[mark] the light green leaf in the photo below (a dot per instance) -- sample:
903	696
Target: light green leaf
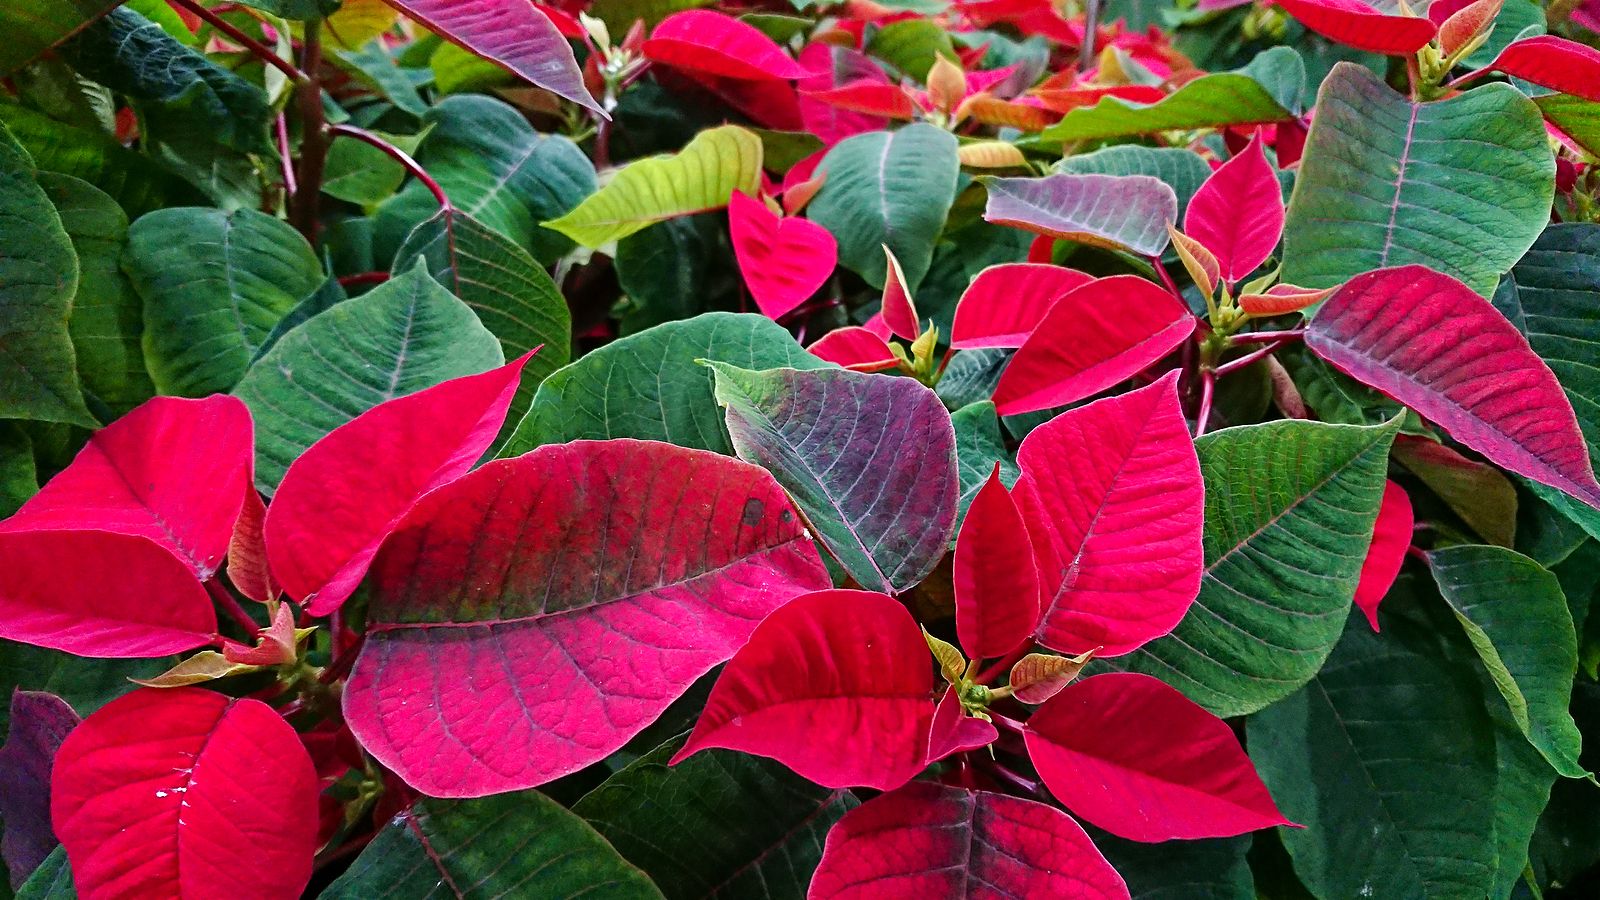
699	178
648	386
889	189
1289	512
1462	185
1517	619
214	284
1578	118
911	46
405	335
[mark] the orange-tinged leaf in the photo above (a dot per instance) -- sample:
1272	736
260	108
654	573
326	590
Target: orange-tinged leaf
1039	676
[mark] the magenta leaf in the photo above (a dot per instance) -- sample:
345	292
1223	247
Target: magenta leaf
898	310
1433	344
855	348
528	619
173	470
933	840
1122	212
783	260
186	793
514	34
1005	303
1355	24
39	723
870	460
832	67
995	576
1096	749
1391	536
1238	213
342	496
1095	336
953	731
837	686
703	40
1555	63
96	593
1114	501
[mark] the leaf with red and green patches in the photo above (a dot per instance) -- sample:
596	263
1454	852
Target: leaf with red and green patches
1005	303
933	840
704	40
870	460
1555	63
1238	213
1122	212
837	685
1355	24
528	619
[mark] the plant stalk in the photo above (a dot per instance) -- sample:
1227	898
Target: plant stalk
306	203
257	49
399	156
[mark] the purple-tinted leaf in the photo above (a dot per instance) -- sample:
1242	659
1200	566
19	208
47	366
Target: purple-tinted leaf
39	723
1122	212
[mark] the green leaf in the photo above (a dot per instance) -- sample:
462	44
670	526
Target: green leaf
513	295
214	284
1183	170
33	26
911	46
1521	794
648	386
137	183
229	178
106	319
19	477
699	178
494	167
1578	118
87	684
51	881
457	71
1517	619
889	189
1213	869
373	64
1267	90
1462	185
359	173
38	278
979	446
521	844
674	270
54	88
719	824
404	335
620	14
1388	758
132	53
323	298
1289	513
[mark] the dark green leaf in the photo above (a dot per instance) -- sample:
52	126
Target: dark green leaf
33	26
673	270
87	684
19	478
1181	870
978	447
51	881
137	183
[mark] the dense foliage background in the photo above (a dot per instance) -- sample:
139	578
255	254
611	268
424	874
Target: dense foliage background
655	447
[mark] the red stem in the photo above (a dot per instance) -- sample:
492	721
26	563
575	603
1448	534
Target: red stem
1166	278
285	158
230	605
1267	337
256	48
1027	785
1208	388
399	156
1006	722
1004	665
1417	553
1234	365
1475	73
363	278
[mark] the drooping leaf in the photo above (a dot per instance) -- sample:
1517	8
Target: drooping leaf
1126	212
1433	344
702	176
403	336
1094	747
648	385
1353	23
341	498
810	673
1092	338
1113	498
174	471
38	278
516	36
1005	303
1391	538
1354	757
888	189
1460	185
604	577
520	844
1290	507
704	40
214	284
784	260
869	459
719	824
1553	62
1517	619
171	793
933	840
39	723
995	575
1238	213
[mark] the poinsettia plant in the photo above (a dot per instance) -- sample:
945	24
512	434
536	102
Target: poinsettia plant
494	448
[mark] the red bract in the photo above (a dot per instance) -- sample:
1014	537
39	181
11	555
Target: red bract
855	348
1430	342
832	67
1142	761
836	685
1391	537
1355	24
703	40
175	471
1280	299
1238	213
930	840
1114	502
868	97
996	578
1553	62
783	260
342	496
1005	303
1091	339
529	618
953	731
898	310
185	794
